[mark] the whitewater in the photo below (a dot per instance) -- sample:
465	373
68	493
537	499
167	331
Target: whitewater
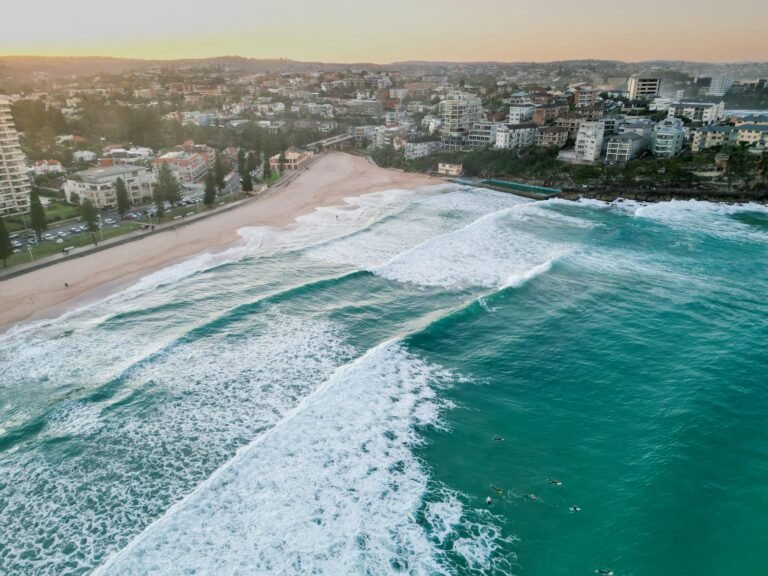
342	395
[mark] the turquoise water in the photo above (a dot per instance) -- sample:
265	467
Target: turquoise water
341	397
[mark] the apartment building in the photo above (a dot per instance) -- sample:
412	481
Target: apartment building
668	138
520	114
98	185
751	134
624	147
14	182
548	113
365	107
458	115
710	137
413	150
639	88
699	112
552	136
585	96
445	169
719	86
570	122
516	135
188	167
482	134
589	141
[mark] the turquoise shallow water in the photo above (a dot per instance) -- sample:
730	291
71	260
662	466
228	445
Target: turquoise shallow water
341	398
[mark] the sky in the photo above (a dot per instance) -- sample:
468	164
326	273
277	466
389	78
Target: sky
385	31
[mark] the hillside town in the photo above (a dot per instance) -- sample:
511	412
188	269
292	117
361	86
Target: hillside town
562	125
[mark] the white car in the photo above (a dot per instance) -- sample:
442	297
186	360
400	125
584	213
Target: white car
109	221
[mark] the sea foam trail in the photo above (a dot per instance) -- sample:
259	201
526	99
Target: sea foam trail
489	252
117	467
332	489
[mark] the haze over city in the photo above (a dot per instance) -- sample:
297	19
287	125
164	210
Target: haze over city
347	31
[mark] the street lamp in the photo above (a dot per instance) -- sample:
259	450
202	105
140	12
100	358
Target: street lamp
197	204
101	233
29	247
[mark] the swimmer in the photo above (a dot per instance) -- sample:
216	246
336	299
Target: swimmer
554	482
497	490
574	509
498	438
533	497
488	501
604	572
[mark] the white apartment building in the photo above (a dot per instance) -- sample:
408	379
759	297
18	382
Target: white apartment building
14	182
516	135
639	88
624	147
700	112
413	150
719	86
521	114
483	134
668	138
589	141
459	114
98	185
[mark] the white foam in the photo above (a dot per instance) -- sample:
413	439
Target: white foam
333	489
488	253
171	422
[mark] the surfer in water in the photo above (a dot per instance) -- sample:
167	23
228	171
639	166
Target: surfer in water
554	482
488	501
574	508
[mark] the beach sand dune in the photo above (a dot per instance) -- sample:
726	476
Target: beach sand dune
42	293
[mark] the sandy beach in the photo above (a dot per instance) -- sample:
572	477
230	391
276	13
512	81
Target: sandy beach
42	293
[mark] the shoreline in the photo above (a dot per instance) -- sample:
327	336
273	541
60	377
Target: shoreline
41	294
665	195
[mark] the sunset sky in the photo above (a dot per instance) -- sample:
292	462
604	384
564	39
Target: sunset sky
387	31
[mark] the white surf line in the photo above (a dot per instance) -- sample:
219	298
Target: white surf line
239	455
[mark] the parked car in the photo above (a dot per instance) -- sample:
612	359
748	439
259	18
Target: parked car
109	221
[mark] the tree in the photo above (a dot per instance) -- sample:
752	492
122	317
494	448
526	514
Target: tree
88	214
218	172
250	164
168	188
6	248
242	164
209	198
123	202
281	162
37	214
267	171
159	206
247	182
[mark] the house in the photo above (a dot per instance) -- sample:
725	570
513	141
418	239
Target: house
294	158
445	169
42	167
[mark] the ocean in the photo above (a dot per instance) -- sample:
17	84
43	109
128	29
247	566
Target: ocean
343	396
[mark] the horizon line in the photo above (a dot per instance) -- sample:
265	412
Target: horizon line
392	63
